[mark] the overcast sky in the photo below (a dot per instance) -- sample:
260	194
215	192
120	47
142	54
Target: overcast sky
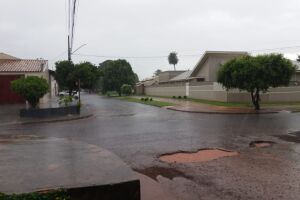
137	28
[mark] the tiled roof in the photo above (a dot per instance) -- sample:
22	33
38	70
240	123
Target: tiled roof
20	65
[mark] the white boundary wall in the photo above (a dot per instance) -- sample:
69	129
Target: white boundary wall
215	91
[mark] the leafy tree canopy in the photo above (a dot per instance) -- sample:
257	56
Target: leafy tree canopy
116	73
31	88
64	75
67	75
173	59
256	74
87	73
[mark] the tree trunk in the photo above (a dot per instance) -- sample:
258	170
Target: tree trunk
255	99
174	68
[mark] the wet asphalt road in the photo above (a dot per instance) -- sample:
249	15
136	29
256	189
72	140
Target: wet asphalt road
138	134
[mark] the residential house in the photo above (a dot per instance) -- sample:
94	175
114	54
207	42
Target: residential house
12	68
201	82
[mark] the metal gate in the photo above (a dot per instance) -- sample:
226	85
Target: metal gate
7	96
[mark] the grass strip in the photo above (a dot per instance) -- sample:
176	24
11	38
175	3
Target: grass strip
150	103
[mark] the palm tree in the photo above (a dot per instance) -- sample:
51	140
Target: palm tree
173	59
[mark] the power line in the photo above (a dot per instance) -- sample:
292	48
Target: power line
184	55
279	48
133	57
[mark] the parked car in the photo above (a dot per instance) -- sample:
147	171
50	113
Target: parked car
63	93
76	95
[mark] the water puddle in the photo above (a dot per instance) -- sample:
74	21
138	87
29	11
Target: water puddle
261	144
203	155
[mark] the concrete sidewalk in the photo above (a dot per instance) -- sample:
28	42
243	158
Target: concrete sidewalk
32	163
188	106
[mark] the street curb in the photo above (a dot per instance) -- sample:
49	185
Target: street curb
49	121
224	113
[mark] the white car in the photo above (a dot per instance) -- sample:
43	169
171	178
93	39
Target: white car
63	93
76	95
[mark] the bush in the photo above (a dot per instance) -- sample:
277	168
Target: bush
185	97
142	99
31	88
179	97
66	100
174	97
151	99
146	99
126	89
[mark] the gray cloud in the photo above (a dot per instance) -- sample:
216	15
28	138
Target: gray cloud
37	28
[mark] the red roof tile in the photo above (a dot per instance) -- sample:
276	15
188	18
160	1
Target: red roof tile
21	65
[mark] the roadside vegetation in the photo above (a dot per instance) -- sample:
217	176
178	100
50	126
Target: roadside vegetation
146	101
31	88
55	195
110	76
256	74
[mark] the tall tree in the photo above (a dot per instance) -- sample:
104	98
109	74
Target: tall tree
173	59
298	58
87	73
64	75
256	74
115	74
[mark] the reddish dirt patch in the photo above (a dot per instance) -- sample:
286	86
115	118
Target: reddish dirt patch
203	155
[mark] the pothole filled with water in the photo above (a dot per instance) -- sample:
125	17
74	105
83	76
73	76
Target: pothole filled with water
261	144
203	155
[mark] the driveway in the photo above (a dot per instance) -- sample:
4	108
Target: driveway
139	134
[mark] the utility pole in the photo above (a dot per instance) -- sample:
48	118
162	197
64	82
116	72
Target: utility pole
69	49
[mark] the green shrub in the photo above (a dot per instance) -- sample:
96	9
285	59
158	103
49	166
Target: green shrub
111	94
142	99
151	99
179	97
66	100
174	97
146	99
126	89
185	97
31	88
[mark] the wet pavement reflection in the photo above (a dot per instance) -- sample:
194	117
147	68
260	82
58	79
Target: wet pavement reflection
139	134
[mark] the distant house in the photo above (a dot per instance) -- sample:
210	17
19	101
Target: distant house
12	68
201	82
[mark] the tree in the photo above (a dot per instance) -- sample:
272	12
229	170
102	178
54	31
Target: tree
31	88
115	73
64	75
157	72
173	59
136	78
87	73
256	74
126	89
298	58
